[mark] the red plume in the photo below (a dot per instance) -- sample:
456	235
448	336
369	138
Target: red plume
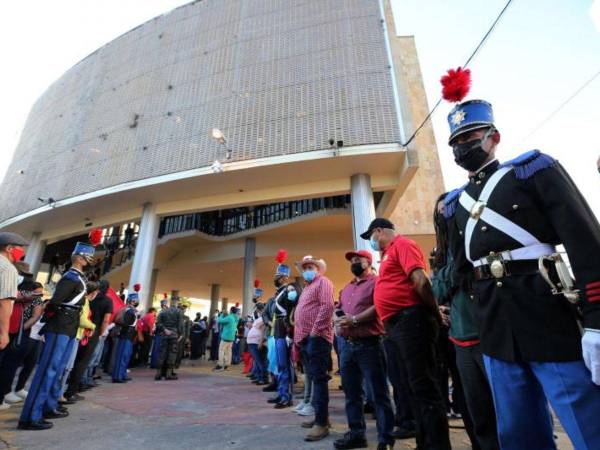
282	255
237	305
137	287
95	236
165	295
257	283
456	84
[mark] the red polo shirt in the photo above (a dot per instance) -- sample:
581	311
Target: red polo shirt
394	291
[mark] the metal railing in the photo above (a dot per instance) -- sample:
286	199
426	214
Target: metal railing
237	220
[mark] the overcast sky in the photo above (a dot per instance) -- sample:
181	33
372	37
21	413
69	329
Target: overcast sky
535	60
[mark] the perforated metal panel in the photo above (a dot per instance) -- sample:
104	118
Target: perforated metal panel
277	76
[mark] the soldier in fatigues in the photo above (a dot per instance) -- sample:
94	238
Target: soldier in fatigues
504	226
187	327
169	325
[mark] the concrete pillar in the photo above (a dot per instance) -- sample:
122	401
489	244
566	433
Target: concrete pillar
249	275
363	210
152	290
35	252
214	298
224	303
143	258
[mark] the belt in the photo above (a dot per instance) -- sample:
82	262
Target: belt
507	268
363	340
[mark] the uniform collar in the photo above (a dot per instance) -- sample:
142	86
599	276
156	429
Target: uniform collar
483	173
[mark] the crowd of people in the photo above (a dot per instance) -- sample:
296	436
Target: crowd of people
499	314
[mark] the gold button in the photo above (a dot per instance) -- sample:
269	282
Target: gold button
515	207
460	232
478	182
481	175
499	284
484	228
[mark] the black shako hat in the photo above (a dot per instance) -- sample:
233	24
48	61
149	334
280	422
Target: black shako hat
380	222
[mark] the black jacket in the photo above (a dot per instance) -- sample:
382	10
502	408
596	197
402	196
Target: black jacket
519	317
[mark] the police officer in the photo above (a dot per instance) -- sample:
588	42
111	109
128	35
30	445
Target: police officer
128	323
61	319
504	226
284	303
169	325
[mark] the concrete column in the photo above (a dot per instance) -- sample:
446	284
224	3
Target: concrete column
214	298
363	210
249	275
224	303
145	249
152	290
35	252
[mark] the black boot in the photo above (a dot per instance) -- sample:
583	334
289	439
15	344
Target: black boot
350	441
170	374
158	376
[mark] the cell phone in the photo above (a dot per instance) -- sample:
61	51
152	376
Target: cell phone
339	313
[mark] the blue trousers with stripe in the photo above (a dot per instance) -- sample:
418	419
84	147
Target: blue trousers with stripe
284	373
45	387
155	352
521	394
122	357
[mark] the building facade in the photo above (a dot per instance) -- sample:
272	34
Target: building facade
313	99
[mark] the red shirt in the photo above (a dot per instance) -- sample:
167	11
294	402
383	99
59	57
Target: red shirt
314	313
147	322
394	290
355	298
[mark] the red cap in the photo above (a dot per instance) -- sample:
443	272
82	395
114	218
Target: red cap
362	253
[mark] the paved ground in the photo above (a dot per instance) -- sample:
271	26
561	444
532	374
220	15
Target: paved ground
201	410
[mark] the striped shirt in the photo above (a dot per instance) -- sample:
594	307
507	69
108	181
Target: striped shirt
314	313
8	279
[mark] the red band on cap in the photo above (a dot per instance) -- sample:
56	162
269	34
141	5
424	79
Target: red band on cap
594	285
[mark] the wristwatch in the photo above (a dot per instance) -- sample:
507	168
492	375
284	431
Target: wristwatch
354	321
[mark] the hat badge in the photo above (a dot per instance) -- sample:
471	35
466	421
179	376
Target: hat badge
458	117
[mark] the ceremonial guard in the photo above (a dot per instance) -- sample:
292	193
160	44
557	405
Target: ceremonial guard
61	320
127	320
505	225
282	328
169	326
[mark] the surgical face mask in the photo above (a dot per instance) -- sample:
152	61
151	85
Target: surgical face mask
309	275
470	155
374	244
292	296
20	279
357	269
17	253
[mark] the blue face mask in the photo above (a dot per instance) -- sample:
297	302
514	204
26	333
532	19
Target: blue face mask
309	275
374	244
292	296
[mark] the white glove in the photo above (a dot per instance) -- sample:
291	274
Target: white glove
289	341
590	344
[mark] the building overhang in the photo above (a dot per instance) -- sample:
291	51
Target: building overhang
243	183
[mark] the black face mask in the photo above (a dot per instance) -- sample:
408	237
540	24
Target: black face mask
357	269
470	155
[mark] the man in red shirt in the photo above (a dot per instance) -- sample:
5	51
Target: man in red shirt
405	303
313	333
146	329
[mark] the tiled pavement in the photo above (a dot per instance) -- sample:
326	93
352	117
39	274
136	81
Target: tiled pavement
201	410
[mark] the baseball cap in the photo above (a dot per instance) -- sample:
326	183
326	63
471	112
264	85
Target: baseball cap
380	222
362	253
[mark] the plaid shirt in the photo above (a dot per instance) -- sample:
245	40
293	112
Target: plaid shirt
314	313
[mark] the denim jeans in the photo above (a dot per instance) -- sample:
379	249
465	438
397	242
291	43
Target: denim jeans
364	361
414	332
284	376
317	352
259	362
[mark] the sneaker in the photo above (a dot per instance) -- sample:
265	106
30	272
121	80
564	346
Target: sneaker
299	406
308	410
22	393
12	397
349	441
4	406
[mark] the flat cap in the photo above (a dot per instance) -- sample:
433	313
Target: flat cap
8	238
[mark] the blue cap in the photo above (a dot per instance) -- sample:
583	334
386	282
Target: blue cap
133	297
85	250
469	116
258	292
283	270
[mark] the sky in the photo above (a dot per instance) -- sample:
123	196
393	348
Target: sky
538	56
